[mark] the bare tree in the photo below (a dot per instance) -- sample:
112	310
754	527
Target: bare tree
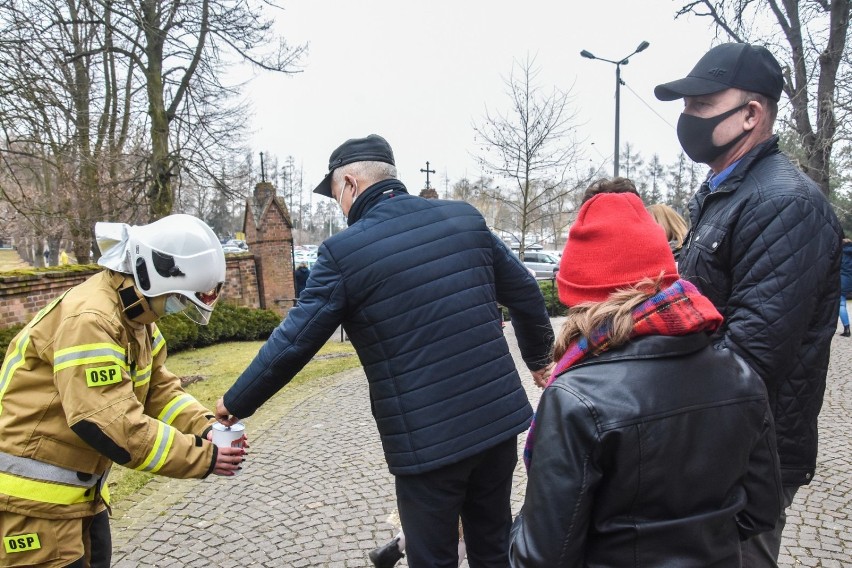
810	38
532	146
181	47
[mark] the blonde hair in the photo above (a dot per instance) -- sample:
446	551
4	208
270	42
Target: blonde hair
616	312
671	221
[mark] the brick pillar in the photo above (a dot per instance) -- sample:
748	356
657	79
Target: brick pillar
269	235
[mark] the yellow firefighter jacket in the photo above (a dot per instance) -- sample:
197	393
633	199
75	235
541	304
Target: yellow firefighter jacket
80	370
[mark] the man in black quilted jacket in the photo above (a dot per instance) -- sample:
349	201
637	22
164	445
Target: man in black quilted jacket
416	282
764	246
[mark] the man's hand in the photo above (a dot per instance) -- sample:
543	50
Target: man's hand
223	415
542	375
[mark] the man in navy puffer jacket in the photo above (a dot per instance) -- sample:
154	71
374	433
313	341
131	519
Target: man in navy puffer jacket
415	283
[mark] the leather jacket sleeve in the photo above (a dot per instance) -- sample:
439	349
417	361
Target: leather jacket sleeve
321	309
762	484
551	529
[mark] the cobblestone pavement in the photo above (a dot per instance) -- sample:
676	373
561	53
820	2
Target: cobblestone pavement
316	492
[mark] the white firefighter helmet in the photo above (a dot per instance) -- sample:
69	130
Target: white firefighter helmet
181	257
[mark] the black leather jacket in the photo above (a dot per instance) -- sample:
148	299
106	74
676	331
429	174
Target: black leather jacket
765	248
660	452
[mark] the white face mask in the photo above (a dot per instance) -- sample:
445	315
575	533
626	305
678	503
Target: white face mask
174	305
343	189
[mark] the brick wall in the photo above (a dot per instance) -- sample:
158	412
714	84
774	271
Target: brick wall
269	235
260	278
22	296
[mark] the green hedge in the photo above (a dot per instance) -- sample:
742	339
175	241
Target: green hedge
228	323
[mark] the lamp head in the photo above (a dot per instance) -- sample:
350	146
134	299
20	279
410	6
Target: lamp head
587	55
642	46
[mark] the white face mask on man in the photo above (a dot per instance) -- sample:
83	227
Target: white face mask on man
342	190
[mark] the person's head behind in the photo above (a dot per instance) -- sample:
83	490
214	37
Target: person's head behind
607	185
730	102
616	257
354	166
671	222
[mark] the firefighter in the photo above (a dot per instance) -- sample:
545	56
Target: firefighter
84	385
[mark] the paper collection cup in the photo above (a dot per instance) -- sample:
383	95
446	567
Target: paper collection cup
228	436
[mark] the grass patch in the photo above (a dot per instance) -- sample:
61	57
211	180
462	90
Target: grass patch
220	365
9	260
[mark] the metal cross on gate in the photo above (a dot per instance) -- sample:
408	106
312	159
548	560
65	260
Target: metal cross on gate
427	171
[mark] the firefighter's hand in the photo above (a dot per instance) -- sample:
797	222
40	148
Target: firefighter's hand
229	461
223	415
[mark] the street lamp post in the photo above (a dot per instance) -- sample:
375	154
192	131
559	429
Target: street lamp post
623	61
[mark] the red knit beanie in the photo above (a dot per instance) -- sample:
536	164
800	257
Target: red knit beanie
614	243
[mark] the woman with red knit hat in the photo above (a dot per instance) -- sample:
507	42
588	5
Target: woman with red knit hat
649	447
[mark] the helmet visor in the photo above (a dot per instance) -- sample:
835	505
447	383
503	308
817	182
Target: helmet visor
211	297
197	313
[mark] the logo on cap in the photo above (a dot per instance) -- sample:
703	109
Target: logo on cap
717	72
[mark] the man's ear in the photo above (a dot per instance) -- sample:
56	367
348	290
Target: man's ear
755	112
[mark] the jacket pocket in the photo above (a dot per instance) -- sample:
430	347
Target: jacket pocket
709	238
75	458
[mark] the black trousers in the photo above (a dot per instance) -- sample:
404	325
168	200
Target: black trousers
476	489
97	541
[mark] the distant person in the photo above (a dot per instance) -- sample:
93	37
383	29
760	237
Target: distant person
84	385
415	283
672	223
649	446
46	255
845	285
764	246
63	257
301	277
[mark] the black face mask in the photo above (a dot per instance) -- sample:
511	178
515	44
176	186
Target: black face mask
696	136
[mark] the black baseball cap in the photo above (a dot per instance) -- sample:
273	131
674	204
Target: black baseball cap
730	65
373	148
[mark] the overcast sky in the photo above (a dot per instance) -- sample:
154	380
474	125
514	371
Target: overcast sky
420	73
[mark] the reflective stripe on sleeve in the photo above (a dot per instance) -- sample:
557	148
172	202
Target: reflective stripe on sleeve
158	342
142	376
162	444
175	407
44	491
12	363
87	354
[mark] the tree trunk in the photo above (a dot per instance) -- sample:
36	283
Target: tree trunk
159	192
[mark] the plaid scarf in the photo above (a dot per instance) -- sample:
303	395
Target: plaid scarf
680	309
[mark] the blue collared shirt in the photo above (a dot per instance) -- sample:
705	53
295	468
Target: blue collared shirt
716	180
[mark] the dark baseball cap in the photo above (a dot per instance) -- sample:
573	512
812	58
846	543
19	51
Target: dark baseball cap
373	148
730	65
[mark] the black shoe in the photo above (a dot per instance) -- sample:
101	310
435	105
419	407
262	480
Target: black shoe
846	332
386	556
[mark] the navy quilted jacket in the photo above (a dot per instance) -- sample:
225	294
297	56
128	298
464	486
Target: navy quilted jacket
765	248
415	282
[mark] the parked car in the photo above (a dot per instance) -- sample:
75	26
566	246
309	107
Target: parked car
544	265
229	248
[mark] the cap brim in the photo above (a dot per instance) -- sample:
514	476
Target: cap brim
687	87
324	187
